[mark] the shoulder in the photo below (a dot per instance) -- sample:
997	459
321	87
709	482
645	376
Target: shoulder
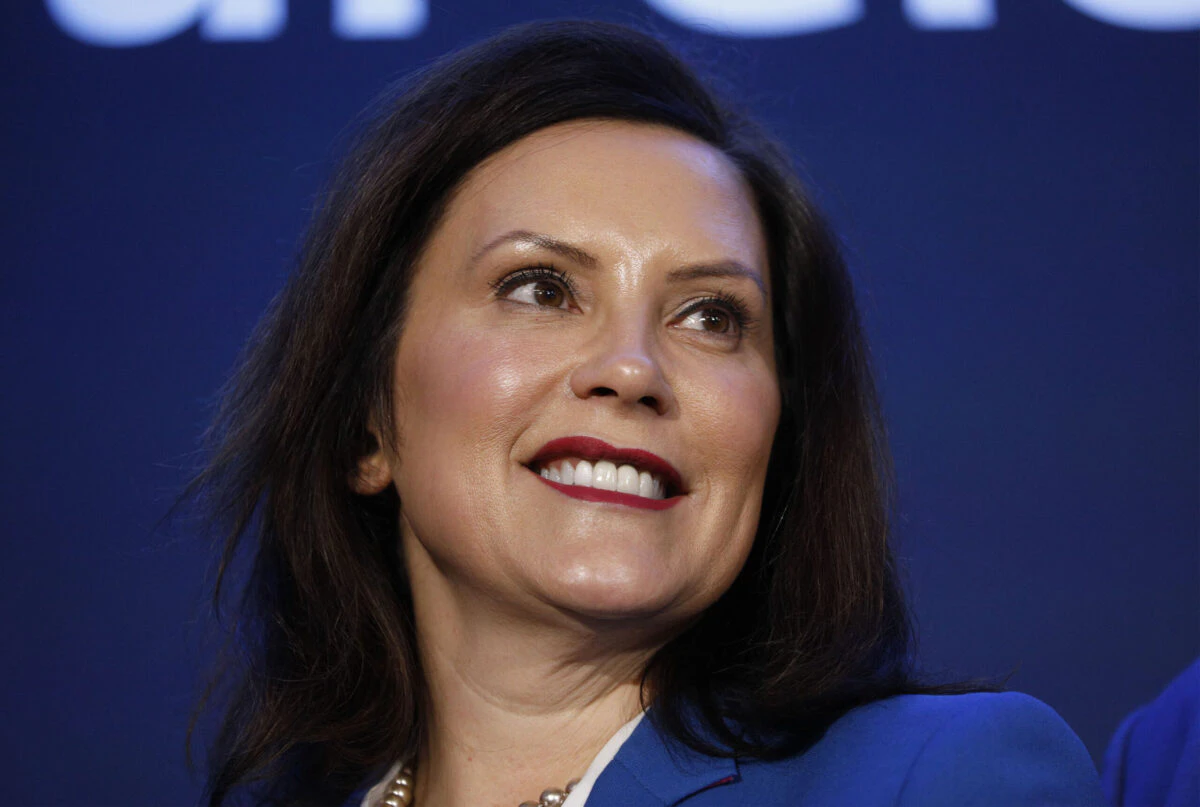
981	749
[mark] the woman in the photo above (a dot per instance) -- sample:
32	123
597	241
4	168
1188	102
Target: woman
560	459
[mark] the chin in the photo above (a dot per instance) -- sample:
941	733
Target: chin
617	594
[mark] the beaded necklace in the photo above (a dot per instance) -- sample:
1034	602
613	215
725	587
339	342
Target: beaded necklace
401	789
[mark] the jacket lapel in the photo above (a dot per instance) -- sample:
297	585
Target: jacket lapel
651	769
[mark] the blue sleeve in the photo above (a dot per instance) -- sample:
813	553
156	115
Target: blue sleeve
1113	778
1154	758
1002	750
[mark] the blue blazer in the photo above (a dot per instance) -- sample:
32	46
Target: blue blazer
924	750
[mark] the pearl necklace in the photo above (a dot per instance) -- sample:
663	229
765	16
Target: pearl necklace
400	792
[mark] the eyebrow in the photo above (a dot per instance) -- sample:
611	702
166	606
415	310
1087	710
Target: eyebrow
725	268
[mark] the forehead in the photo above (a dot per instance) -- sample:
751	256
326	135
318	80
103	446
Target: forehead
624	185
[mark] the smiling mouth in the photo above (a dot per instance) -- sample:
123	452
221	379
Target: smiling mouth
590	469
592	494
604	475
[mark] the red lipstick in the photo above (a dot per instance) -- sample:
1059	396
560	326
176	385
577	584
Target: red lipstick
594	450
614	496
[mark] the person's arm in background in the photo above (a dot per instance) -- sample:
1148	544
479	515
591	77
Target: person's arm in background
1153	759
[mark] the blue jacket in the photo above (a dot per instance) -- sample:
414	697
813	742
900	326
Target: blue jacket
923	750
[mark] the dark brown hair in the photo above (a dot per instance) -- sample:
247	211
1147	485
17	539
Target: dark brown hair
321	686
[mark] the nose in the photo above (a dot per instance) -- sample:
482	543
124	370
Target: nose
623	364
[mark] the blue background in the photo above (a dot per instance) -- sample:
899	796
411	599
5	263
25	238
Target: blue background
1020	207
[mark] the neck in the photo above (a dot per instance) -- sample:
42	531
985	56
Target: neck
516	705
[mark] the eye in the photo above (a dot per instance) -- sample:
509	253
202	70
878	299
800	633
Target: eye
713	320
541	286
720	316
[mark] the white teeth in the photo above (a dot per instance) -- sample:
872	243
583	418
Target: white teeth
604	475
627	479
645	485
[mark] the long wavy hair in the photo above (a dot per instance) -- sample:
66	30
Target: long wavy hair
319	685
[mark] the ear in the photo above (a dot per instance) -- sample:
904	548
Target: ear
374	472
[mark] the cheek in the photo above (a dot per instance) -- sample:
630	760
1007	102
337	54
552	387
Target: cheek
740	420
461	396
756	405
471	383
740	412
735	414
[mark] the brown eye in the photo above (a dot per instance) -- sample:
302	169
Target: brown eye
711	320
541	287
716	320
549	294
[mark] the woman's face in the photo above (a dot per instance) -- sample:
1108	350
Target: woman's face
603	280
